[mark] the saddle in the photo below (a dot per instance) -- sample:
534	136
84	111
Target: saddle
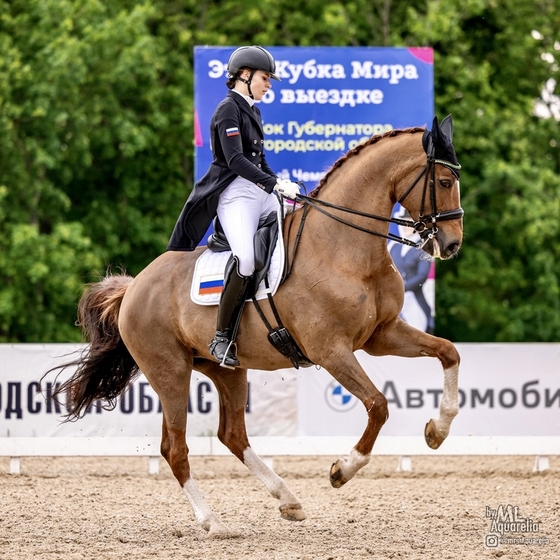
264	244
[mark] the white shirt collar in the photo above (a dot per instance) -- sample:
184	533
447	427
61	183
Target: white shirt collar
249	100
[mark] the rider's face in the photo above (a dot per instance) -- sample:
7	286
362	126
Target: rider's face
260	83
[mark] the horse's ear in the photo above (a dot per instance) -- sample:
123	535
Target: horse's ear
446	127
438	144
428	138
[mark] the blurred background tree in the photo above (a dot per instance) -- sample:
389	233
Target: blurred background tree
96	114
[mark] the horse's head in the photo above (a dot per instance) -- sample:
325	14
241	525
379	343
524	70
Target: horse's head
433	200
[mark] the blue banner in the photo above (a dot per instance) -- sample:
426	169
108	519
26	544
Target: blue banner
329	100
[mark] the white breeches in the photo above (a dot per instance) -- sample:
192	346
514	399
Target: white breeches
241	206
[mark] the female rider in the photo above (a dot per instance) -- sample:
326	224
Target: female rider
239	187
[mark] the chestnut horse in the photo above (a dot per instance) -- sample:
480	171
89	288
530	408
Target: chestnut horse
343	294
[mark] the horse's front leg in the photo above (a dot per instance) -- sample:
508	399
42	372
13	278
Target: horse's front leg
345	368
401	339
232	389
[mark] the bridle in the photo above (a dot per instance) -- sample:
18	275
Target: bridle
426	225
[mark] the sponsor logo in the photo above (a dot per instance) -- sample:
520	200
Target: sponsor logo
338	398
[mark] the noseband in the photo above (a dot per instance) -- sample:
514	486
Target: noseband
426	225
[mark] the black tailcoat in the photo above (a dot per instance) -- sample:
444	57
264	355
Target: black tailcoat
237	139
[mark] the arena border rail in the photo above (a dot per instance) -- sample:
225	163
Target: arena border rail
403	447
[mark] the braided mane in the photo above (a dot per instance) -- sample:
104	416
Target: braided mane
358	149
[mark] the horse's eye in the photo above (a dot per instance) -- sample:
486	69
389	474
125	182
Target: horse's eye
445	183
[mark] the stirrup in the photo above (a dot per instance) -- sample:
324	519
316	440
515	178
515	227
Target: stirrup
230	353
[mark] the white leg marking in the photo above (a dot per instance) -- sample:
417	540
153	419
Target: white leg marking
351	464
202	511
274	484
449	406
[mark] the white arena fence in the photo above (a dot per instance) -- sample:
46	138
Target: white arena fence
509	405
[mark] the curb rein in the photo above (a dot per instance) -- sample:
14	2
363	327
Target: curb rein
425	226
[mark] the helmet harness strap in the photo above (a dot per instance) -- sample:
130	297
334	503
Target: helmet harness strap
248	82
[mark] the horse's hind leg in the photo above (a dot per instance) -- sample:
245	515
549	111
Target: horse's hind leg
175	452
404	340
171	383
232	389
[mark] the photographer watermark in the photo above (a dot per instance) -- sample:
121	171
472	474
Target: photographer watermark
508	526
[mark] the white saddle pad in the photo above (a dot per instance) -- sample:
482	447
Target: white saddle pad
208	278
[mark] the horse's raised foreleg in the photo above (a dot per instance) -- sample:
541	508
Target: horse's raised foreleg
404	340
232	388
345	368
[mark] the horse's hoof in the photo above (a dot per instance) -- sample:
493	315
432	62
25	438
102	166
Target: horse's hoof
433	439
292	512
216	529
221	531
336	476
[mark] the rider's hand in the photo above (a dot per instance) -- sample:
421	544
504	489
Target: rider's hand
287	188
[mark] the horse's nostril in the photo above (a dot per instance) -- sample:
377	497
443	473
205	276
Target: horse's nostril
452	249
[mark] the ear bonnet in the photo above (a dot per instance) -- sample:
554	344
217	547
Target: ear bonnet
438	144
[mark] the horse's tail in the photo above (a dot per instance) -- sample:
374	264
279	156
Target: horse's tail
105	367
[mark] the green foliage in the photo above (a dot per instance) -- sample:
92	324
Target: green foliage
96	146
96	105
490	68
43	275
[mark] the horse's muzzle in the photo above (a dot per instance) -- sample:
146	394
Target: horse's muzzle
451	250
442	246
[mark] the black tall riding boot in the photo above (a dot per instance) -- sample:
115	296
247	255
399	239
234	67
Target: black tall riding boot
232	302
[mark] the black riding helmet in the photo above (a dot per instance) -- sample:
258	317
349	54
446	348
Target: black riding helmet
254	58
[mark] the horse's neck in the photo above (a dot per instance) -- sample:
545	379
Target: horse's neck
363	183
366	182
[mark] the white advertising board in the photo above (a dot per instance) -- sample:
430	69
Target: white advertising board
25	412
505	390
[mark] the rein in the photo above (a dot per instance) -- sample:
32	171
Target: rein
425	226
318	203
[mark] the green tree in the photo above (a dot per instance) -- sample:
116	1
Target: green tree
492	60
96	105
96	150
